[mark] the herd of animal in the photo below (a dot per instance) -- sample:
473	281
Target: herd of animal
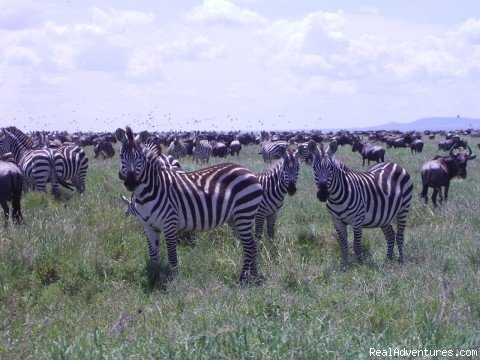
166	199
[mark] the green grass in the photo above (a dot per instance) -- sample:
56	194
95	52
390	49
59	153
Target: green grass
75	281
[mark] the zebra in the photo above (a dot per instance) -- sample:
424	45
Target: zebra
304	154
171	201
202	150
177	149
271	150
363	199
276	183
71	163
153	143
36	165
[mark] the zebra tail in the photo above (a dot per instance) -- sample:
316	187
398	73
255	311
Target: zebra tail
54	176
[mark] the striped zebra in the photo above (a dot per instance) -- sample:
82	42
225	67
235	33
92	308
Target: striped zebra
171	201
36	165
153	143
272	150
177	149
304	154
71	164
276	183
202	150
363	199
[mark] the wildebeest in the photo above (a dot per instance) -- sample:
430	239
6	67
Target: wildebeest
105	148
11	190
438	172
235	147
455	143
369	152
416	146
219	149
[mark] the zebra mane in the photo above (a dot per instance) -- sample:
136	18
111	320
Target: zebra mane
21	136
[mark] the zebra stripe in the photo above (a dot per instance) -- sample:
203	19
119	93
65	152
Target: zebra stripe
36	165
202	151
71	163
363	199
272	150
172	201
177	149
168	161
276	183
304	154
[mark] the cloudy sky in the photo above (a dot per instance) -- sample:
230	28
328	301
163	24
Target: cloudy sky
236	64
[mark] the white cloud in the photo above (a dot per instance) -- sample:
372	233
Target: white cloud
224	12
18	14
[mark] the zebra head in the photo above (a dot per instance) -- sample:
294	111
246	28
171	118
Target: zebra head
291	167
133	160
323	164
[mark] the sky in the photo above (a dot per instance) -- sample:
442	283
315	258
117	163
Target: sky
236	64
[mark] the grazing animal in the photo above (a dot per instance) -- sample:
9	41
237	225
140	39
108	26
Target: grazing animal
177	149
202	150
276	183
438	172
11	190
219	149
416	146
171	201
363	199
105	148
304	154
456	143
272	150
36	165
369	152
235	147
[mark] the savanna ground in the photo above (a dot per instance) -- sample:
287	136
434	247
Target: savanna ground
76	281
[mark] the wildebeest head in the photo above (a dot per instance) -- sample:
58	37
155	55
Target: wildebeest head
461	161
133	159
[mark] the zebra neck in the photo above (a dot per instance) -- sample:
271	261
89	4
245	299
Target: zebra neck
154	183
338	186
19	151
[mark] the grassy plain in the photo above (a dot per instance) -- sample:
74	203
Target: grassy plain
75	281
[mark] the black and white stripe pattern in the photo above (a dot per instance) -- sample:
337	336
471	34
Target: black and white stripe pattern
172	201
71	164
153	144
37	166
202	150
363	199
304	154
272	150
177	149
276	183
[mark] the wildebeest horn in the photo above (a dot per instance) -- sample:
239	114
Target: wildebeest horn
451	151
469	151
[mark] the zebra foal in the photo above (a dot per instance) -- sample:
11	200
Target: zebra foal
363	199
170	201
276	183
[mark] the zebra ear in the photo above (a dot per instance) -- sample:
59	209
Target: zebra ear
143	136
121	135
313	148
332	148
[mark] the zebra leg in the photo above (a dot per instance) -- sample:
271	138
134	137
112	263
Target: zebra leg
401	224
357	243
390	237
341	229
243	226
171	237
153	242
259	222
271	220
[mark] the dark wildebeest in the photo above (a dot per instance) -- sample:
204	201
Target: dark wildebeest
235	147
11	190
105	148
369	152
417	146
455	143
219	149
431	136
438	172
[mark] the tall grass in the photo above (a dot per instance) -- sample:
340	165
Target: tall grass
75	281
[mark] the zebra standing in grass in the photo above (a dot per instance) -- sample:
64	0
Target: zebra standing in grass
276	183
202	150
153	143
177	149
272	150
363	199
71	163
37	165
171	201
304	154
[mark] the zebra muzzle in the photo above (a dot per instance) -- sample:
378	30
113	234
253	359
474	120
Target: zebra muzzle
131	182
291	189
322	193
